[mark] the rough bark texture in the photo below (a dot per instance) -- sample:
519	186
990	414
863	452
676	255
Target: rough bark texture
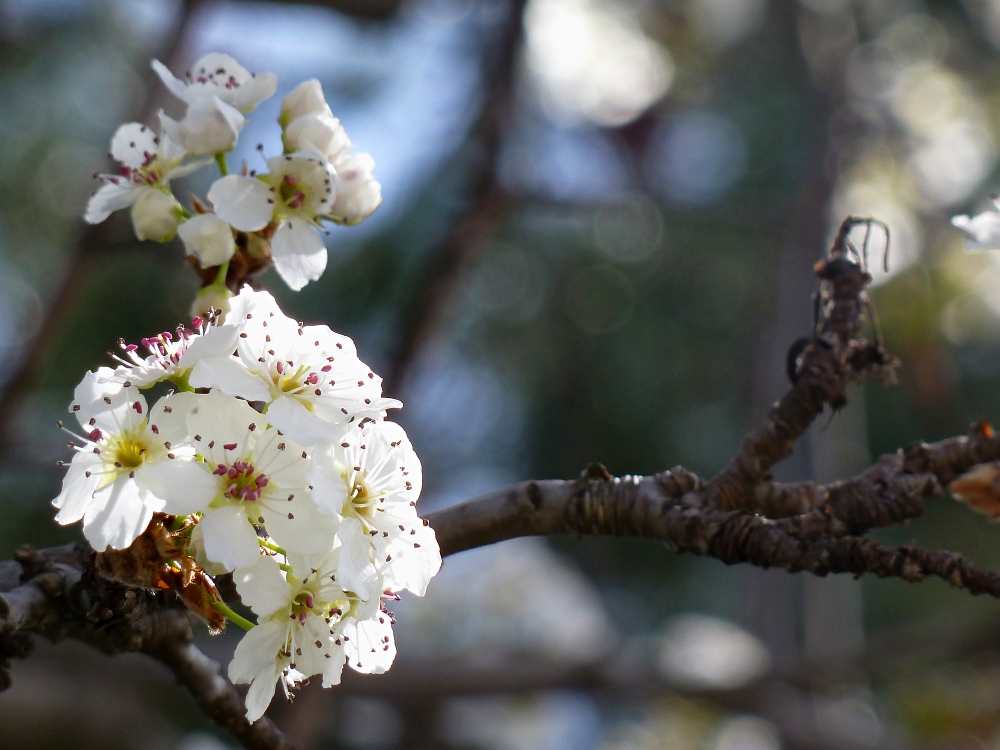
56	593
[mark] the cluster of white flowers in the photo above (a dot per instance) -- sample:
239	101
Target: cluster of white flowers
277	215
276	457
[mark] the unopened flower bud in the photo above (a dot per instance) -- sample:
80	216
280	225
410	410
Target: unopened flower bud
155	215
210	126
208	238
318	130
212	296
306	99
358	193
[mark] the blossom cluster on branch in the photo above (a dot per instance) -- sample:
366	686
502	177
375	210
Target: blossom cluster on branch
274	217
272	460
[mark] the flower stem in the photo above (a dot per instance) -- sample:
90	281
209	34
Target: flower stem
241	621
220	279
220	159
271	546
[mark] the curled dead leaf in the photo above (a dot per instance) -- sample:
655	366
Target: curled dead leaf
980	488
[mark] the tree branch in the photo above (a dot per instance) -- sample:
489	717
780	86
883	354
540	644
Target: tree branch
57	593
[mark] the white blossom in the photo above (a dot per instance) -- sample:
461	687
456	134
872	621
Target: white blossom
305	99
358	192
256	477
208	238
147	165
171	356
371	478
308	123
210	126
219	75
125	468
309	377
296	195
983	230
308	625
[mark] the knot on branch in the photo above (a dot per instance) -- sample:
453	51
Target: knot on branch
602	504
677	482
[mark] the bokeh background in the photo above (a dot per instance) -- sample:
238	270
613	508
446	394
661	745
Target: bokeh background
596	244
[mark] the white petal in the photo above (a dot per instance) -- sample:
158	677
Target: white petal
256	651
329	487
110	197
78	488
120	519
208	238
301	425
298	252
183	487
304	99
225	420
169	416
319	130
358	193
983	230
248	95
262	587
176	87
371	648
210	126
245	202
230	376
191	167
357	571
133	144
412	568
296	524
260	693
229	537
218	341
171	152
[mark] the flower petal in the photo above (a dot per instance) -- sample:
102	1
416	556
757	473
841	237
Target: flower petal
327	479
304	99
133	144
120	519
176	86
371	647
301	425
78	487
182	487
256	651
248	95
229	376
297	525
229	537
245	202
298	252
210	126
357	572
262	587
110	197
983	230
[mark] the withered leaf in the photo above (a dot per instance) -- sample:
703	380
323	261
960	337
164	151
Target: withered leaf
980	488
